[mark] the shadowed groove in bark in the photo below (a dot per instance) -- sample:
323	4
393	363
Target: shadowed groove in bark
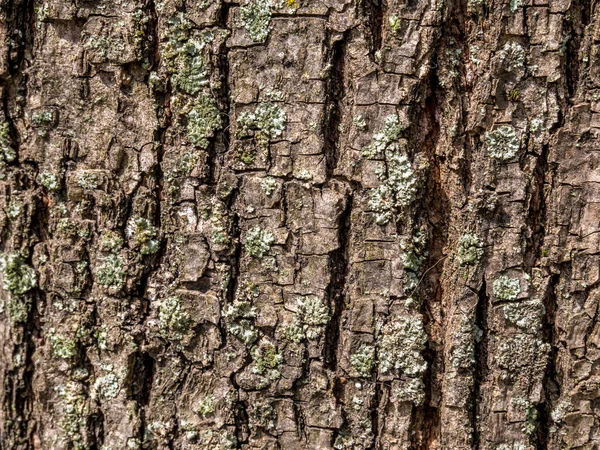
481	357
374	12
139	386
574	35
18	390
335	86
338	266
537	211
426	418
550	383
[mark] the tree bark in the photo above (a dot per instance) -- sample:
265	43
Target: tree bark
292	224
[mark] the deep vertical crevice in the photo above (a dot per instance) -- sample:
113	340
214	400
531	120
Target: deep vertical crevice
550	383
139	385
335	92
574	34
537	210
338	268
481	356
434	214
16	433
374	11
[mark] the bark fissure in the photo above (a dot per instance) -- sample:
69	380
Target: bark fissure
481	357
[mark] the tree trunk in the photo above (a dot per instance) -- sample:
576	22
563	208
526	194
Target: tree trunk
300	224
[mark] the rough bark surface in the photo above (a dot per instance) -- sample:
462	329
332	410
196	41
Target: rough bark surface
300	224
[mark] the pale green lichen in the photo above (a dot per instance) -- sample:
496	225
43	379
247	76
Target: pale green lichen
522	351
526	315
266	360
413	256
268	185
106	386
262	414
400	346
42	118
62	346
398	180
13	209
411	390
395	23
7	153
398	189
258	242
190	73
143	234
309	320
173	320
385	139
18	308
206	406
470	249
505	288
363	360
360	122
268	119
203	120
502	143
255	17
512	56
512	446
462	354
49	181
88	180
75	415
303	174
110	273
239	318
111	241
531	419
17	276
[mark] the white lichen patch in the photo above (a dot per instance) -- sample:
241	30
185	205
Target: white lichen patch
190	74
522	351
385	139
7	153
173	320
400	346
363	360
206	405
110	274
505	288
268	185
398	186
411	390
512	56
106	386
255	17
503	142
17	277
49	181
526	315
142	233
75	414
309	321
63	346
204	119
268	119
266	360
258	242
398	189
239	318
470	249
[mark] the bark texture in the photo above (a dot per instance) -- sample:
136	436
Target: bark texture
300	224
